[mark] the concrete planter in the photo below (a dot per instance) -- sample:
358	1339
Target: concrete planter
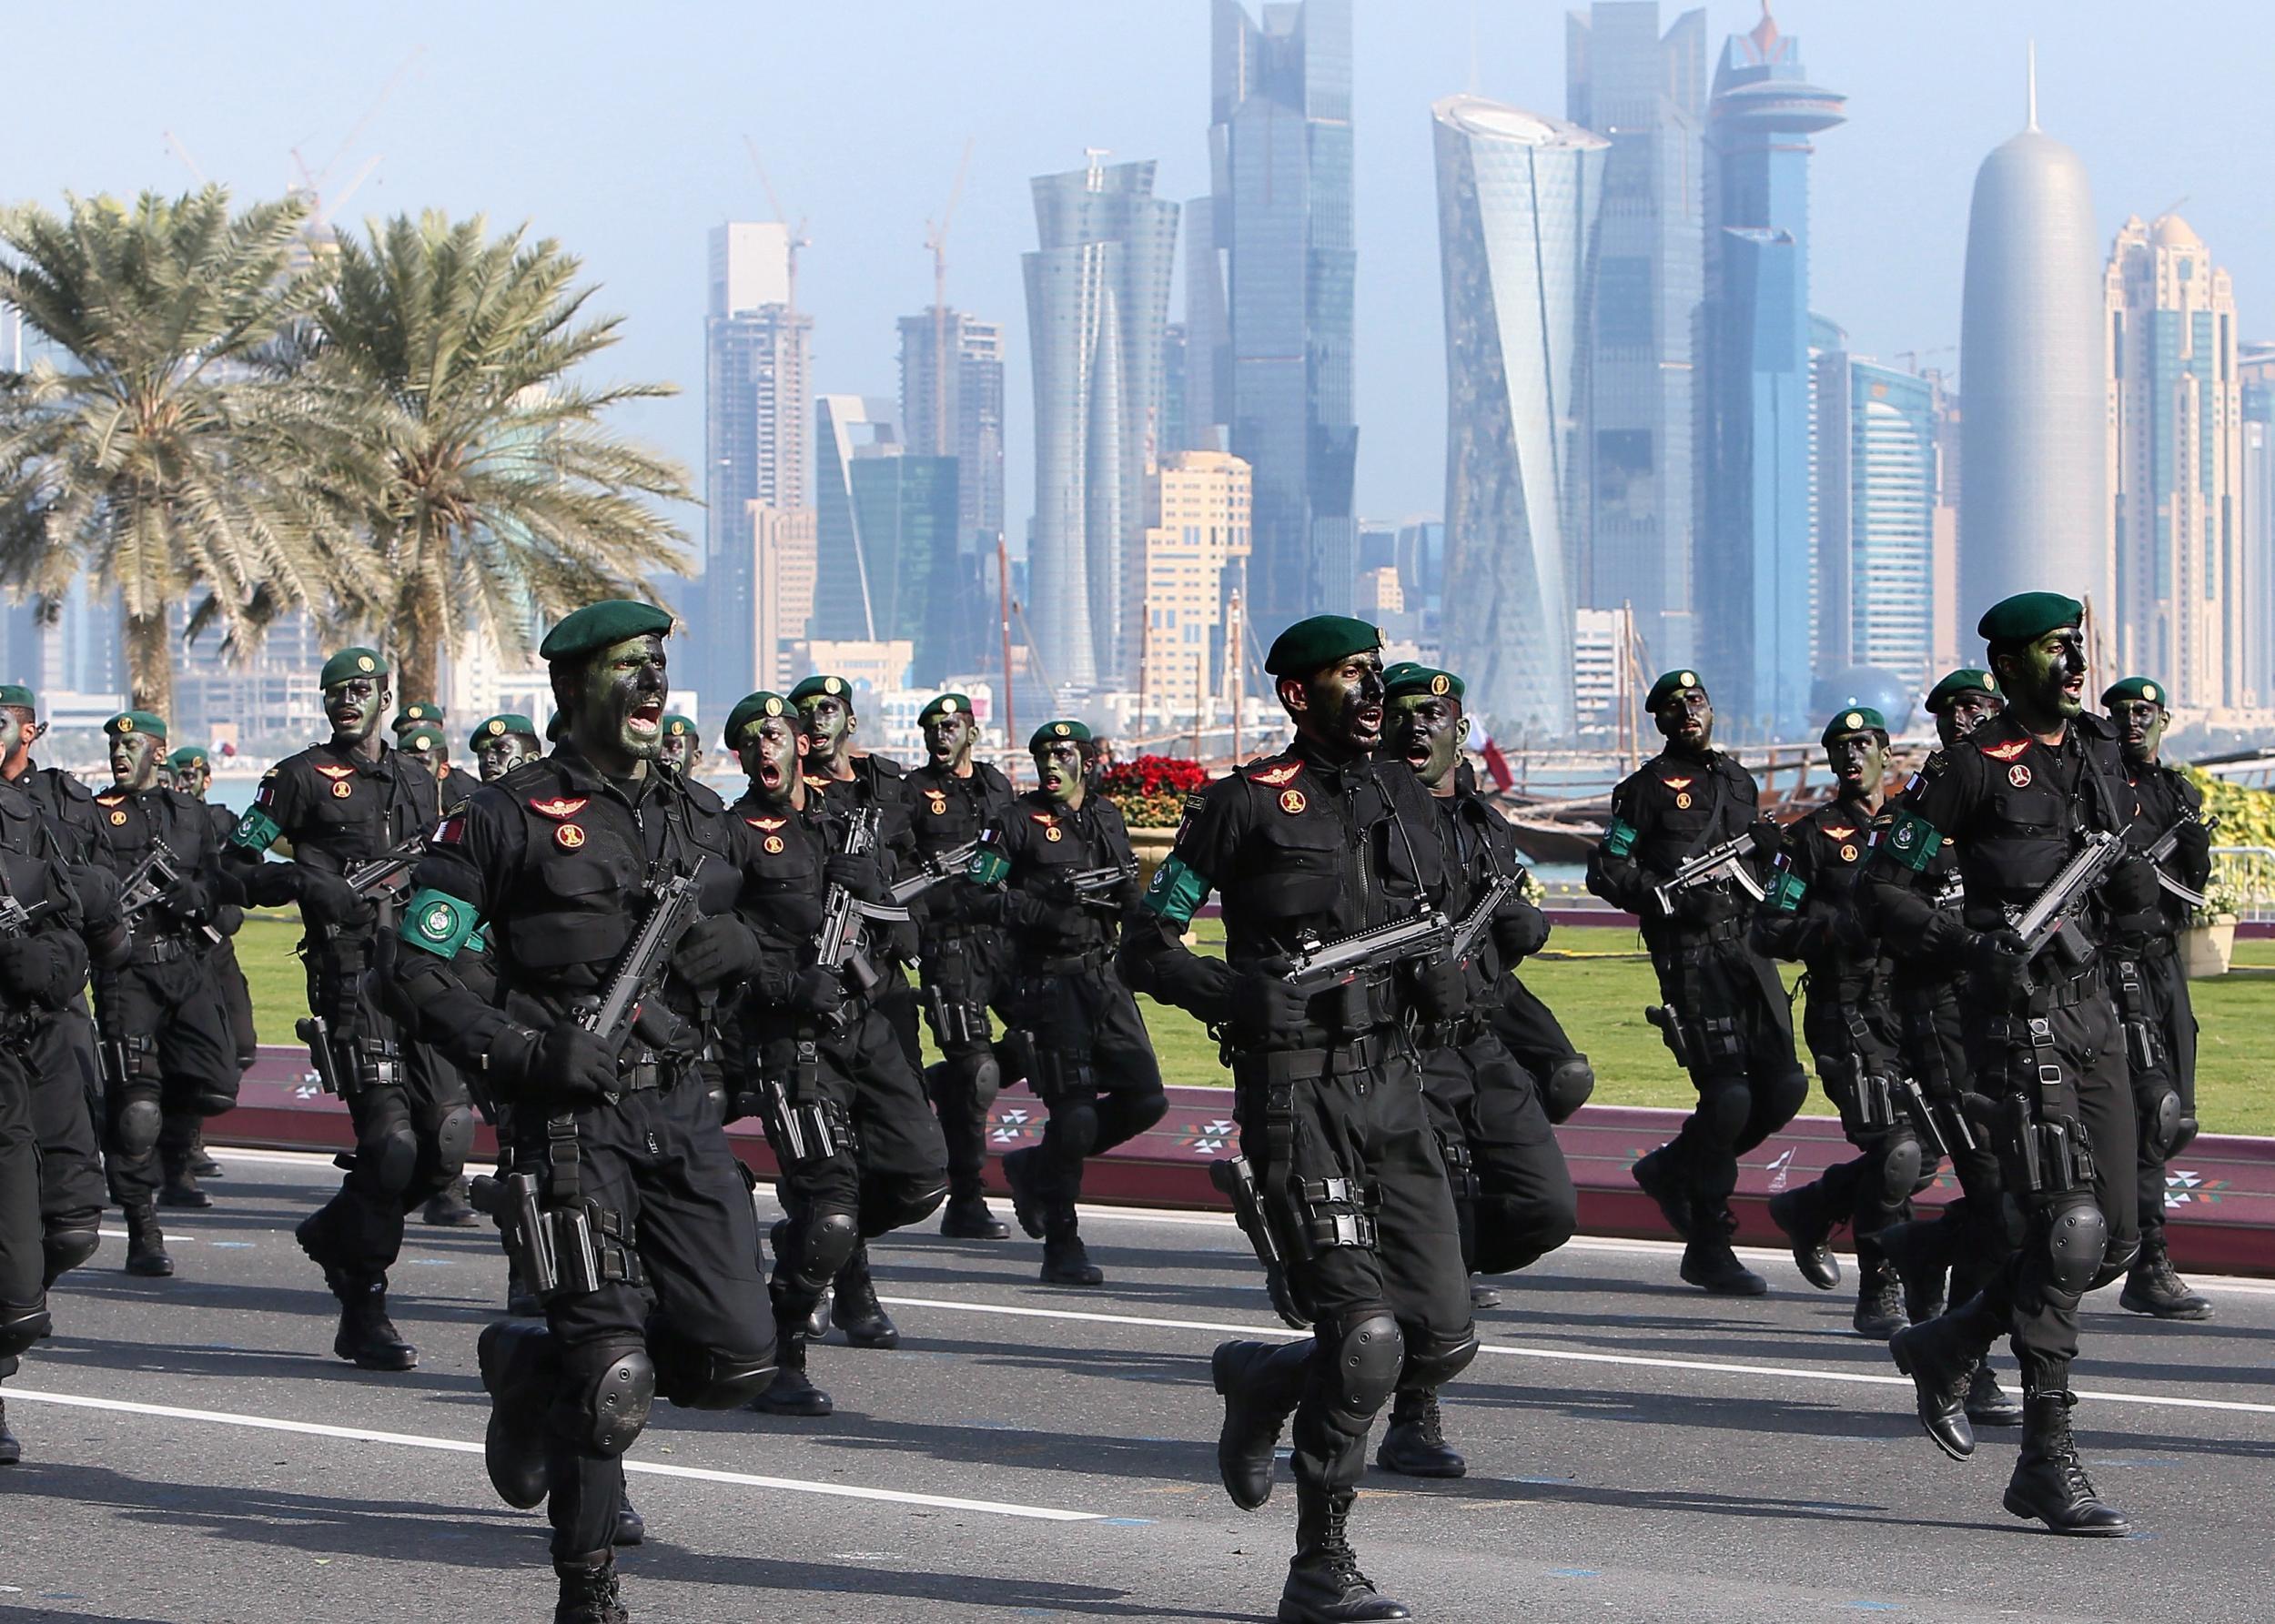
1152	847
2207	949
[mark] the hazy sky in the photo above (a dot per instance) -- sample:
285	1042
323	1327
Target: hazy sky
618	130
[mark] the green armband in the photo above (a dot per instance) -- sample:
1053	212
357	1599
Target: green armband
988	867
1914	840
438	923
1619	838
255	831
1176	893
1787	888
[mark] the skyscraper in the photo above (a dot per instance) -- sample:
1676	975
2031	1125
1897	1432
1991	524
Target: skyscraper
1752	557
1098	298
1517	202
1877	497
958	413
1646	93
1280	145
2174	455
1197	550
845	428
2255	368
755	390
2033	512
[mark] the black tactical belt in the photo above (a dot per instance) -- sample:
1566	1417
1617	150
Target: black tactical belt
2065	993
643	1069
164	951
1449	1034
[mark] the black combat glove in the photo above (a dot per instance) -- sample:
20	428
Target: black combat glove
818	991
1769	838
2192	844
2132	895
558	1068
326	898
1441	988
715	951
188	899
858	872
228	919
45	969
1520	930
1998	959
1265	1005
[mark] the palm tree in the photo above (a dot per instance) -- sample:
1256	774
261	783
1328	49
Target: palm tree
169	447
506	500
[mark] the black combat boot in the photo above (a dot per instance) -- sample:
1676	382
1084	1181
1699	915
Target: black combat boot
11	1450
1019	1171
1414	1445
1879	1301
1800	1215
854	1309
588	1591
1660	1176
969	1219
201	1162
520	1369
1324	1584
816	1323
180	1189
146	1245
1709	1264
1260	1383
631	1526
368	1339
449	1208
1482	1296
2154	1287
1940	1358
1987	1403
1066	1261
792	1392
2050	1482
1920	1251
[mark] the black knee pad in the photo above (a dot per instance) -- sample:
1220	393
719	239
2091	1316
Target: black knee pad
1567	1088
890	1204
2076	1241
1073	1126
611	1390
1432	1361
1363	1359
2161	1119
140	1120
981	1075
1899	1169
454	1140
23	1324
393	1155
63	1250
831	1234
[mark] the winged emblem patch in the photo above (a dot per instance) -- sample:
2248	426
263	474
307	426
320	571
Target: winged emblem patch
1272	778
565	806
2007	751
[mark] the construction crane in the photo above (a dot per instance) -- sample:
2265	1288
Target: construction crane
798	238
312	181
182	153
936	241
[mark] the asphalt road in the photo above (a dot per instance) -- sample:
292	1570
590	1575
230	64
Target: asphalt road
194	1451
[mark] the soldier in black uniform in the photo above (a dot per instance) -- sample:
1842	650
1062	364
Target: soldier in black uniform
814	1057
683	750
951	798
1513	1191
1322	839
1810	916
43	965
2020	797
2152	991
193	776
341	803
852	782
555	863
168	1053
503	742
66	1084
1726	1018
1084	1046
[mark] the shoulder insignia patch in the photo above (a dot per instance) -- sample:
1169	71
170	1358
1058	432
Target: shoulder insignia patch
335	771
558	807
1273	778
450	831
2007	751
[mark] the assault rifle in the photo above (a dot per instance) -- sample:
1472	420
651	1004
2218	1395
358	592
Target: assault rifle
2052	917
936	870
387	867
674	901
1322	965
1473	925
148	883
1090	885
837	944
2168	843
1724	861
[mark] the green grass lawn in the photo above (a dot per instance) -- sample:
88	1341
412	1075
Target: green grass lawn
1600	1000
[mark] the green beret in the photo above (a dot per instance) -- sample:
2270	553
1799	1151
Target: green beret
17	694
2029	616
1968	678
1669	684
749	708
1410	677
1050	733
413	714
499	726
352	663
1856	719
188	756
420	738
2138	688
946	704
815	688
135	721
676	726
1309	645
598	626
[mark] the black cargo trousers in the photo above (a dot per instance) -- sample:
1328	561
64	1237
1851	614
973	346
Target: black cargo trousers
1858	1058
1091	1063
169	1060
1933	1029
24	1318
964	978
1512	1190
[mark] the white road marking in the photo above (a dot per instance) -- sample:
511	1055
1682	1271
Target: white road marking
1566	1356
411	1440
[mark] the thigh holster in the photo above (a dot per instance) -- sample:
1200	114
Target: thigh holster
1335	1212
1461	1169
2042	1144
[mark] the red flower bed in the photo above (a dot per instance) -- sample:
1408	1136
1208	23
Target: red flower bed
1150	790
